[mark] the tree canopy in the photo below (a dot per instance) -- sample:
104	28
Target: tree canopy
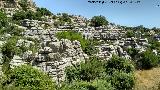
97	21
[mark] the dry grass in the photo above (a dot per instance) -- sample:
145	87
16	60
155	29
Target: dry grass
147	79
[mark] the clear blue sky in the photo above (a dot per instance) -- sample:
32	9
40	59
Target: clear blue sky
146	13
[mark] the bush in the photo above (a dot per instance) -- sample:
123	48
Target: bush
23	4
122	81
130	33
27	77
43	12
8	51
94	85
13	30
65	18
148	60
87	71
121	73
119	64
133	53
20	15
3	19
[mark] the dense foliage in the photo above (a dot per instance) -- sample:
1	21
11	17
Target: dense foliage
40	12
9	49
83	85
3	19
43	12
65	18
134	53
121	73
148	60
130	34
85	71
12	30
97	21
118	72
119	64
122	81
23	4
27	77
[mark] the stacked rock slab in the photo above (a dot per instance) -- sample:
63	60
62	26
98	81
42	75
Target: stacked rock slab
54	58
54	55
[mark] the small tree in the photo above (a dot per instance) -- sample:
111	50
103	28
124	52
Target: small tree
97	21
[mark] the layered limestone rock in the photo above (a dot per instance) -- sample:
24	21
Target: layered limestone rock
106	51
17	61
55	57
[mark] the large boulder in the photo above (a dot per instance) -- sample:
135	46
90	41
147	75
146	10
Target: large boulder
16	61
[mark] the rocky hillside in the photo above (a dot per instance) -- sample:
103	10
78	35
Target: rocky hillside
11	6
92	54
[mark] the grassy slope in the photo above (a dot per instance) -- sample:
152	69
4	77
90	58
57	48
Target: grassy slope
148	79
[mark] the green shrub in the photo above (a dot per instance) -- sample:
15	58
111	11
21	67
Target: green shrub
9	49
121	73
87	71
20	15
97	21
93	85
43	12
27	77
148	60
133	53
119	64
23	4
65	18
13	30
3	19
130	33
122	81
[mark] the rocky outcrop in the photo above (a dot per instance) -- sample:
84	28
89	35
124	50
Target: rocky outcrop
106	51
55	57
